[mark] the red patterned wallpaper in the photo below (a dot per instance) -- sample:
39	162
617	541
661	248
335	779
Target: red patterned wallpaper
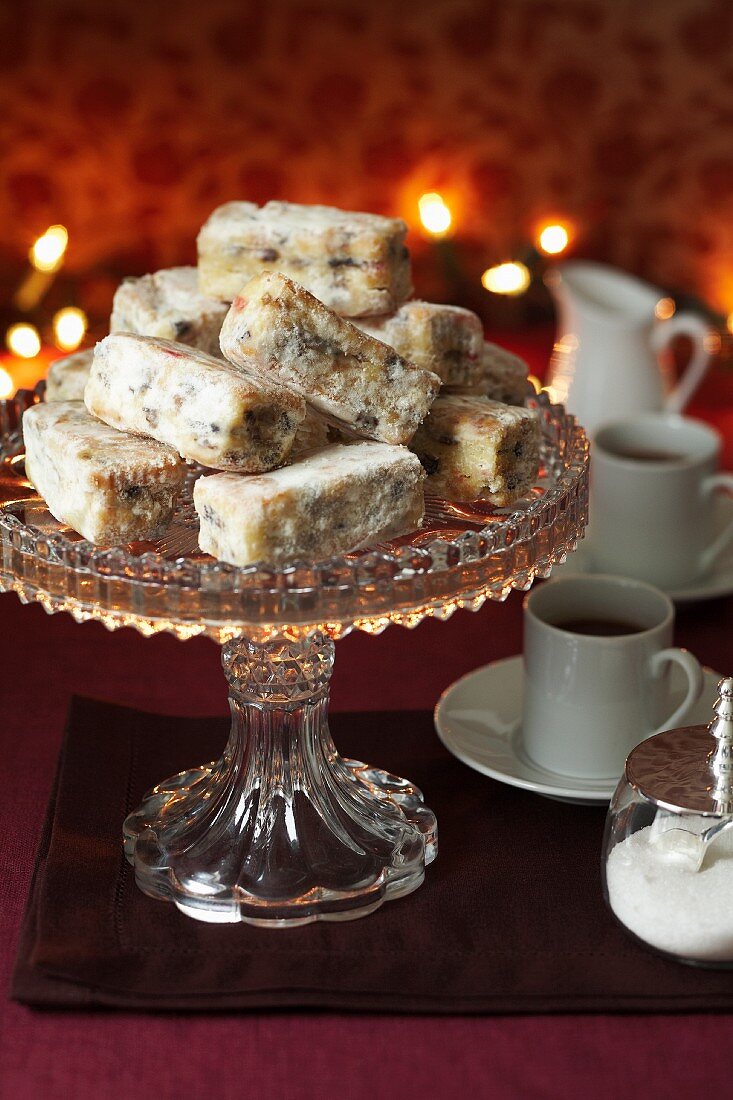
129	120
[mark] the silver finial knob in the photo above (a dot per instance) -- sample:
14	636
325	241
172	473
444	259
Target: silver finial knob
721	762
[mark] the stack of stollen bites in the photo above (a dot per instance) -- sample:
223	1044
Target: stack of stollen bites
314	394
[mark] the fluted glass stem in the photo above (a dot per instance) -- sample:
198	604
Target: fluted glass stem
281	830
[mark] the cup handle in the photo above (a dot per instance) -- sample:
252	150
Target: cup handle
712	485
695	683
684	324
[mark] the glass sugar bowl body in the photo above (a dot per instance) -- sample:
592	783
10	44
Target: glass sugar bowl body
668	849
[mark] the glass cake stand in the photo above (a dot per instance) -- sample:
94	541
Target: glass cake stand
281	830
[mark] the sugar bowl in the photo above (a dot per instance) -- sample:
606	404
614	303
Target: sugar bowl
668	849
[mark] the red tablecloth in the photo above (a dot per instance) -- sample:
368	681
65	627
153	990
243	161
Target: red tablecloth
293	1056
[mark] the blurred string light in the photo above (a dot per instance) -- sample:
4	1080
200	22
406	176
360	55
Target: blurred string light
69	326
553	239
47	252
435	214
23	340
7	385
664	309
46	256
510	278
729	323
712	343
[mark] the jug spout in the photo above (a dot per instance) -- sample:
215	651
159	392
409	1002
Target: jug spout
600	294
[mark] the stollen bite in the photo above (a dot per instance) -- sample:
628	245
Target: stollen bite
331	502
277	327
356	263
313	434
500	376
109	486
447	340
208	410
67	377
169	305
472	448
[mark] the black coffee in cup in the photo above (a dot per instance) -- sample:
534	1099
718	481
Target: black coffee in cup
602	628
643	454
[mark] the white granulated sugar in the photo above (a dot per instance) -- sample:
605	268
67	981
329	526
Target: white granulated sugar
668	905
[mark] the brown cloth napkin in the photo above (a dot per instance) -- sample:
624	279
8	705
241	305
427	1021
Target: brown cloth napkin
510	918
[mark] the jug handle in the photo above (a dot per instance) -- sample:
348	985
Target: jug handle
685	324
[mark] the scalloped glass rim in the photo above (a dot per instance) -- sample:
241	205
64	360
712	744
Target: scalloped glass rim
422	574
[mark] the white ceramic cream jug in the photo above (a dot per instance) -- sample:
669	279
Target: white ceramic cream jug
608	361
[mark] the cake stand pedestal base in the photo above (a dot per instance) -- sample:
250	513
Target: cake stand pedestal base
281	830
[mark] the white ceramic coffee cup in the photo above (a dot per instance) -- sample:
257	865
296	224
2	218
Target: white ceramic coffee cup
654	520
588	698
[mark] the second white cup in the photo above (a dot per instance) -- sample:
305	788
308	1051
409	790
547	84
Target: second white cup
653	483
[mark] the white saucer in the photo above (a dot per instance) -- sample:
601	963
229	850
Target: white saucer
477	719
718	582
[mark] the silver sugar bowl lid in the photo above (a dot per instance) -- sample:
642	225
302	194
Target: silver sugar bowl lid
689	769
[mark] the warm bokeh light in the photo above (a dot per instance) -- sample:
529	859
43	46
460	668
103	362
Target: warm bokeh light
435	215
69	326
729	323
7	386
562	367
47	253
534	382
555	394
511	277
23	340
712	343
553	239
664	309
